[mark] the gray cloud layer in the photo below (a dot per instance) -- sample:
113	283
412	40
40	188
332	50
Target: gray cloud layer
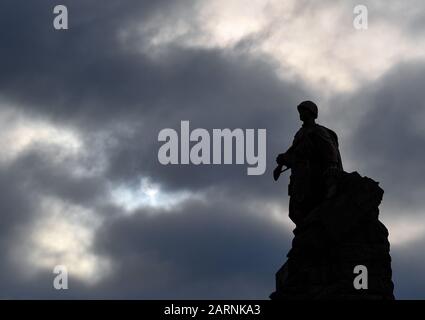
118	97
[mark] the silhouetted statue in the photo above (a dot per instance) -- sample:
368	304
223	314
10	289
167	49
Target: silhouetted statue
336	218
314	160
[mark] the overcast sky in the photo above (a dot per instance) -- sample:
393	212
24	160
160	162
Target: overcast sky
81	109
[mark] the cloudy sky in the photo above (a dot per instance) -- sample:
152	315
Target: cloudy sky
81	109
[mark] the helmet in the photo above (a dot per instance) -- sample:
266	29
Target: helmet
309	106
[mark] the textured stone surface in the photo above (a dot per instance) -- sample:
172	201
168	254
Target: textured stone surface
342	232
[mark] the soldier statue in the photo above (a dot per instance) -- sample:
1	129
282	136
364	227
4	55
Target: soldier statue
336	217
314	160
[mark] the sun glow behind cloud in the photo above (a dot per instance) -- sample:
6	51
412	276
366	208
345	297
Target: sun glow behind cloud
311	42
316	43
146	195
21	132
64	235
63	232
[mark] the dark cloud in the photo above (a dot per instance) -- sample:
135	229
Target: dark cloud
408	265
96	82
387	144
110	87
83	69
85	79
201	250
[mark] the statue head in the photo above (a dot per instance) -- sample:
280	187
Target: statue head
308	110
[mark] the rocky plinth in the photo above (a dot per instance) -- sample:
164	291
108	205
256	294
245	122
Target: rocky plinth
341	233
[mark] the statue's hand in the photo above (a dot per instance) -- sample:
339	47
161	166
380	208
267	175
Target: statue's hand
276	172
281	159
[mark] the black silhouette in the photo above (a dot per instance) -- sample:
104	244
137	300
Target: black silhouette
336	218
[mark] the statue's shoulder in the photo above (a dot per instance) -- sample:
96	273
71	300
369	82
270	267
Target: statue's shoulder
319	129
325	133
305	132
302	134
